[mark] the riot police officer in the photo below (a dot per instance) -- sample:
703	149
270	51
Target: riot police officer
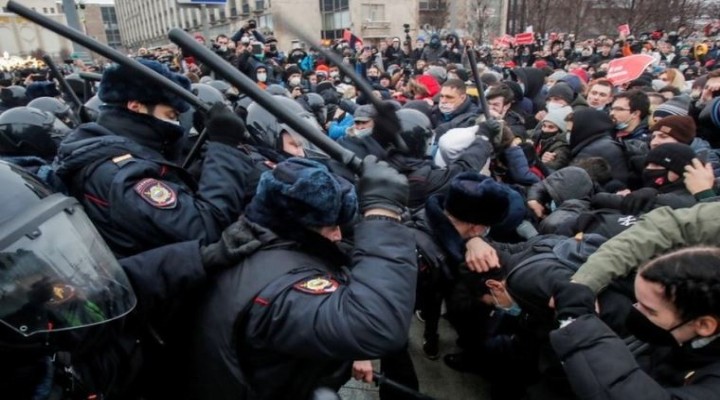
122	167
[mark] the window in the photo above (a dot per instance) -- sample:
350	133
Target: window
265	22
259	5
45	10
430	5
233	11
222	14
335	18
52	10
373	12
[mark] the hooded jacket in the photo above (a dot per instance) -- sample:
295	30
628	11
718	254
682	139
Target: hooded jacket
463	117
533	79
591	137
566	193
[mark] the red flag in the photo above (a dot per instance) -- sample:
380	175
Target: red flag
351	39
626	69
624	29
524	38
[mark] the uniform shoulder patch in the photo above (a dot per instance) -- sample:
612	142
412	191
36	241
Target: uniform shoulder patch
156	193
317	285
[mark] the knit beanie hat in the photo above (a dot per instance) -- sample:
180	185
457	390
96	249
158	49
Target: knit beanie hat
681	128
678	105
437	72
563	91
120	84
557	117
672	156
302	192
477	199
557	75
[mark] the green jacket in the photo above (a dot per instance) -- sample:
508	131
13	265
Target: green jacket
656	233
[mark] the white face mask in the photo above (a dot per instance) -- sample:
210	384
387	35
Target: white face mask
294	81
169	121
446	108
553	106
363	132
334	74
261	77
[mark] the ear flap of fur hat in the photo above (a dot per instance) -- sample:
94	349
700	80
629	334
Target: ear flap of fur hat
302	192
120	84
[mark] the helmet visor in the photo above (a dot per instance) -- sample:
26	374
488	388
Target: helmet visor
60	276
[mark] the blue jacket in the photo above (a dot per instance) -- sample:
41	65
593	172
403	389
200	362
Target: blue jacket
137	198
337	129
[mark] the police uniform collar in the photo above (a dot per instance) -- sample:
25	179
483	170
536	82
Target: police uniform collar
140	128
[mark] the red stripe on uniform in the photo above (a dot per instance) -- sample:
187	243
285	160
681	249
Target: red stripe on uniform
261	301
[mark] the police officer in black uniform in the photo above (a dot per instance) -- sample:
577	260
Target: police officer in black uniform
72	317
122	168
291	318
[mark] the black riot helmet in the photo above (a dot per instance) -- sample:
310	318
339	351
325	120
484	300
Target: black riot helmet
13	96
230	93
416	131
316	103
26	131
209	95
92	108
58	108
59	281
266	128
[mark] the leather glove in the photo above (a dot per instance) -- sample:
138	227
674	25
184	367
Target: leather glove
492	130
572	300
382	186
223	126
639	201
386	129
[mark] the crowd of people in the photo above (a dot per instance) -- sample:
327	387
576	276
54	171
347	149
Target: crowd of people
564	225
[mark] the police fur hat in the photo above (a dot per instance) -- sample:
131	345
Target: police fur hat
121	84
477	199
302	192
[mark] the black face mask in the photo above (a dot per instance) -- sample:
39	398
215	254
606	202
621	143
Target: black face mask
655	178
643	329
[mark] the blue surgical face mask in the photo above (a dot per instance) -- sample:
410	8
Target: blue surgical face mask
514	310
621	126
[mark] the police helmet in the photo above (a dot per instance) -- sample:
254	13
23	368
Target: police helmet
60	282
77	84
13	96
416	131
266	128
226	89
26	131
316	103
58	108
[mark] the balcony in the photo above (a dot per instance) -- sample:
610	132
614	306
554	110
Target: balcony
375	29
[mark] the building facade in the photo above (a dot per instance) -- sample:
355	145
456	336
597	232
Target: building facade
21	37
145	23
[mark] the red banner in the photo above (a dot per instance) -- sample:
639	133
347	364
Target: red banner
524	38
626	69
624	29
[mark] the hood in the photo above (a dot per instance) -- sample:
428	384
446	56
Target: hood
569	183
589	124
533	78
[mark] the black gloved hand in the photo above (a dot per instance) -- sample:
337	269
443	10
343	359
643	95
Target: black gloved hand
386	129
639	201
381	186
572	299
492	130
223	126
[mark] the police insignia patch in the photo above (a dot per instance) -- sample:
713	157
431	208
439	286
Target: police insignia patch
158	194
317	285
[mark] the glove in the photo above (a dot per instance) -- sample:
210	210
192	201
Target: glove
386	129
223	126
381	186
639	201
573	300
492	130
